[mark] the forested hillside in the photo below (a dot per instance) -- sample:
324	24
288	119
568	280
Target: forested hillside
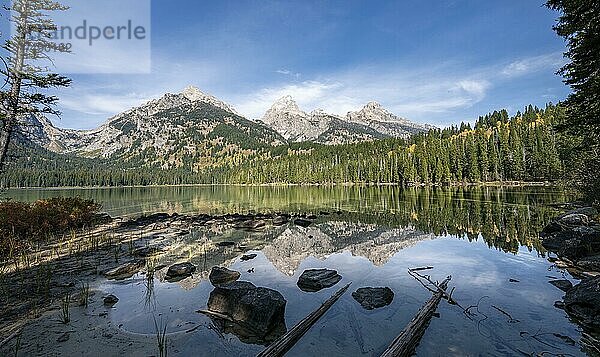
497	148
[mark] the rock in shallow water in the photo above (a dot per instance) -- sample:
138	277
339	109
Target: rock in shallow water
373	298
302	222
221	275
280	220
248	257
313	280
562	284
258	313
126	270
110	300
583	302
180	270
251	224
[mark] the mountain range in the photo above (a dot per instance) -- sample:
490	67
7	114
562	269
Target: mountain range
192	126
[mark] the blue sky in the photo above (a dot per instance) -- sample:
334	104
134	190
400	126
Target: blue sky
432	61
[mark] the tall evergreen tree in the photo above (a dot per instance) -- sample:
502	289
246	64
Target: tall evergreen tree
25	73
579	24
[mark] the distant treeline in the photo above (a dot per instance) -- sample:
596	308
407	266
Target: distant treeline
524	147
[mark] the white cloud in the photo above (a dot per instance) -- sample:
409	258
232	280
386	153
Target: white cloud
402	92
287	72
533	64
103	104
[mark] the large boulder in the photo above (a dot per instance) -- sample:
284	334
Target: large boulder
258	313
221	275
313	280
573	243
583	302
373	298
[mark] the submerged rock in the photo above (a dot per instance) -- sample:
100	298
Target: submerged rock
126	270
110	300
373	298
583	302
302	222
221	275
280	220
251	224
246	257
562	284
313	280
258	313
144	252
180	270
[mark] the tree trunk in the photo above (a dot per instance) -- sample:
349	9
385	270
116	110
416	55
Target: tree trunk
405	344
12	110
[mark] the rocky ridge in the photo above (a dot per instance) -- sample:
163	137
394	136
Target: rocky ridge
369	123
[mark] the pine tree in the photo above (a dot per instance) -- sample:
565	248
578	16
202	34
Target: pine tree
25	75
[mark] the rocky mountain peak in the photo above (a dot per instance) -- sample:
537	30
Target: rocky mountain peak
372	111
285	104
194	94
373	105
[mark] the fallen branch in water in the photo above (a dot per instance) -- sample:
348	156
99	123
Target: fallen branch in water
448	296
289	339
408	340
510	318
10	337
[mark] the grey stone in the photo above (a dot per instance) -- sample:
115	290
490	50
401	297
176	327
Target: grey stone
251	224
246	257
180	270
280	220
126	270
110	300
221	275
583	302
259	313
313	280
373	298
302	222
562	284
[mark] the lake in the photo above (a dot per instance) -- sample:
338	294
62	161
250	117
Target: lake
486	238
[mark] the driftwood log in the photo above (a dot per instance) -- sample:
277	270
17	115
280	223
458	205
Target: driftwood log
289	339
408	340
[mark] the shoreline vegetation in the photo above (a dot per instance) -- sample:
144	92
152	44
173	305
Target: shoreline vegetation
332	184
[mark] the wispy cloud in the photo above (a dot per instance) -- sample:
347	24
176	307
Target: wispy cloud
529	65
287	72
103	104
405	93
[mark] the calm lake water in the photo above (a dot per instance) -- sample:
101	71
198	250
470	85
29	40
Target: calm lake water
483	237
